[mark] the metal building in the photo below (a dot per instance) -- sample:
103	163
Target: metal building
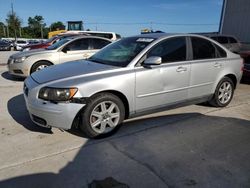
235	19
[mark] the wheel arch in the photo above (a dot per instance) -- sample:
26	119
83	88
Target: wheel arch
38	62
121	96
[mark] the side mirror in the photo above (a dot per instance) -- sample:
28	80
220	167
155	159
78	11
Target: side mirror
154	60
65	49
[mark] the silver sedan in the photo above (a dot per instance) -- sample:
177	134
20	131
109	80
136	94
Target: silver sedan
131	77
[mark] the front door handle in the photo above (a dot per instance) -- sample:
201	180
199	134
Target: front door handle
181	69
218	65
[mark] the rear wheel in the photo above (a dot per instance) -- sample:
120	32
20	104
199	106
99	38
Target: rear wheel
223	93
102	115
39	66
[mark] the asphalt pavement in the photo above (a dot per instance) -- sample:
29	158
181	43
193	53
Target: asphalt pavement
193	146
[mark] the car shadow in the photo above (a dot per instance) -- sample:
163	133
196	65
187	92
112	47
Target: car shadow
7	76
18	111
178	150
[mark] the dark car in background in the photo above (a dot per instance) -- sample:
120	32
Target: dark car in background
6	46
230	42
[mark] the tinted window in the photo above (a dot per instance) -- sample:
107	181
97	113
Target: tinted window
202	49
80	44
232	40
220	52
171	50
99	43
222	40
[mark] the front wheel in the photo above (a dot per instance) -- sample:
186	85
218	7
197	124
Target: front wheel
223	93
39	66
102	115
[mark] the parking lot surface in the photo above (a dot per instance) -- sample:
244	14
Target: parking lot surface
193	146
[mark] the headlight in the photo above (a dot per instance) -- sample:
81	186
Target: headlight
26	49
56	94
20	60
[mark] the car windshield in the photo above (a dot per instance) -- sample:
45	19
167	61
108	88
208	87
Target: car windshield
122	52
50	39
58	44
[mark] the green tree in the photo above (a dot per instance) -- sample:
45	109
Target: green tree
13	24
2	30
57	26
36	26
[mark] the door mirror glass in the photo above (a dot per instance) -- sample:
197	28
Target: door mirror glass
153	60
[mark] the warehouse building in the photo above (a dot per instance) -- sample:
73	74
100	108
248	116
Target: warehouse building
235	19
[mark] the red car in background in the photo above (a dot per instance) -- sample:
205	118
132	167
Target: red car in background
41	45
47	43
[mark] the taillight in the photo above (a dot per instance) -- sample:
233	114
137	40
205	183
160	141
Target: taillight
242	66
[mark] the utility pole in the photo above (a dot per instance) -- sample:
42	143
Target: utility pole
20	31
8	31
41	29
4	32
14	24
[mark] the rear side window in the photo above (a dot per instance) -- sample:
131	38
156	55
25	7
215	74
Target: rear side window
232	40
80	44
220	53
222	40
170	50
99	43
202	49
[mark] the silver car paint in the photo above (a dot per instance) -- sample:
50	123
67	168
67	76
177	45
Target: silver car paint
141	87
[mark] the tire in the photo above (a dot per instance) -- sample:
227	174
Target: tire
96	120
223	93
39	66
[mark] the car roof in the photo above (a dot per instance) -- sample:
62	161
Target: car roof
164	35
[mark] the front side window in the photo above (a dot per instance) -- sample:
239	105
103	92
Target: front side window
170	50
202	49
58	44
79	44
122	52
99	43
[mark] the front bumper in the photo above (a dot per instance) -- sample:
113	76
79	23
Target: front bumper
17	69
48	114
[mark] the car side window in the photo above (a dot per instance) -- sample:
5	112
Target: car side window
222	40
170	50
202	49
99	43
80	44
220	52
232	40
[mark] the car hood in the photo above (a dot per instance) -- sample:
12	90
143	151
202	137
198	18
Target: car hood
30	53
69	69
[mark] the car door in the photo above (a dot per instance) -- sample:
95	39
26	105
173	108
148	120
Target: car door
75	50
167	83
205	65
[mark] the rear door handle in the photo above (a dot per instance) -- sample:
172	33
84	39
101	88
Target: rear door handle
181	69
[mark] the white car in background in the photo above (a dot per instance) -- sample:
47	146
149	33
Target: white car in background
69	49
19	44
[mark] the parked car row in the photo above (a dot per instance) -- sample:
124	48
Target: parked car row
128	78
